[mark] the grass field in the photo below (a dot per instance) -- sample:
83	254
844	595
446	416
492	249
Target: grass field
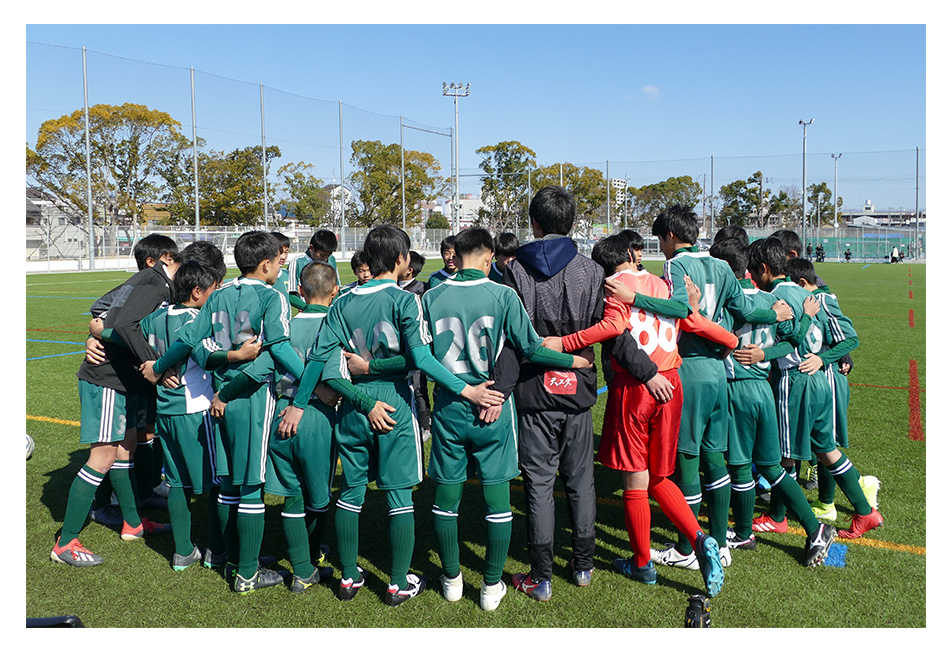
882	584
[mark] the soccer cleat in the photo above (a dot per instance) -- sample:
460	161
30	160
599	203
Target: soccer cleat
213	560
262	578
181	563
231	569
809	476
395	596
708	555
147	527
324	553
734	541
452	587
300	584
540	591
161	489
427	434
109	515
350	586
74	554
646	574
491	595
154	502
581	578
862	524
726	558
870	486
817	545
824	511
766	524
671	557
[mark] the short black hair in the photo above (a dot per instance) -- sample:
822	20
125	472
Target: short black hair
153	246
734	252
192	274
324	240
801	268
678	220
383	247
252	247
357	260
790	240
207	254
474	239
416	262
769	251
610	252
505	244
282	240
553	210
632	239
317	279
732	231
449	242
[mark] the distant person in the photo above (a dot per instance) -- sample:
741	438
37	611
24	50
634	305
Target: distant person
848	254
895	254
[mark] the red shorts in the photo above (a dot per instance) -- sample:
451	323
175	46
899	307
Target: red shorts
640	434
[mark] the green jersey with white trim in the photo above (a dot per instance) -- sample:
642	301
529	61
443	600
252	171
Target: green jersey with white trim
470	318
764	335
376	320
838	329
305	328
194	391
720	292
794	295
297	265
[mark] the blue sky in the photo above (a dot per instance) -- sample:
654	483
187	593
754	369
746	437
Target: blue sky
654	100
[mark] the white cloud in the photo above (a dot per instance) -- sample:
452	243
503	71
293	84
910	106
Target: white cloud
650	92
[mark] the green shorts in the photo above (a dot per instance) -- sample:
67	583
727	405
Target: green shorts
804	412
243	435
189	448
303	463
393	459
840	403
465	447
106	414
704	421
753	429
146	414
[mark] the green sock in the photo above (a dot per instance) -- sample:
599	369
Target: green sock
717	488
498	517
180	517
777	506
347	525
250	524
402	534
688	480
228	500
316	520
216	541
158	462
785	488
445	523
144	459
81	494
103	496
847	478
121	473
742	499
826	485
295	530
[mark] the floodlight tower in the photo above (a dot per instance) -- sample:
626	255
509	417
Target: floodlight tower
835	195
456	90
804	126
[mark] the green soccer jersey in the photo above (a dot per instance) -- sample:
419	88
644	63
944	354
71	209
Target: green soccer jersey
376	320
283	282
304	330
794	295
470	318
764	335
297	265
839	335
438	277
194	392
720	293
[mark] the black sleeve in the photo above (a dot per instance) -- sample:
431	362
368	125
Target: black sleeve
505	372
632	358
847	359
124	320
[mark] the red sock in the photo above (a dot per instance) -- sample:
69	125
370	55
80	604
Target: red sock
671	500
637	518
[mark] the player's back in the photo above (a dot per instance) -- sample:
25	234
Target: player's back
470	318
794	295
763	335
838	326
655	335
194	391
304	330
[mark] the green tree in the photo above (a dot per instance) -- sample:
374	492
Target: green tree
649	200
302	195
438	221
820	195
130	147
505	185
377	187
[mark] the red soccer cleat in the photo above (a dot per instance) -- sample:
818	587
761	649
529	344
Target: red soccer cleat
147	527
862	524
766	524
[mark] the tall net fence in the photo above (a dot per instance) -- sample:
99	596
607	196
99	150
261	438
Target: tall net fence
306	163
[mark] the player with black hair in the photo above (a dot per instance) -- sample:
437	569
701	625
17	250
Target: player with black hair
448	252
506	244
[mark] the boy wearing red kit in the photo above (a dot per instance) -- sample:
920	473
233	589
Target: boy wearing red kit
642	420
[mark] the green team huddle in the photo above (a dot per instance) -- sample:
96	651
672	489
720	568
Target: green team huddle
277	382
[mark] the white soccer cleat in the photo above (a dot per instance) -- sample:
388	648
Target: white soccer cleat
671	557
491	595
726	558
452	587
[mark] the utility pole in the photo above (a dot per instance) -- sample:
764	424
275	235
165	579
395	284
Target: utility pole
804	126
835	196
455	91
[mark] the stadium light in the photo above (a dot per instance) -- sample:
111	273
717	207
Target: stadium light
455	90
835	194
804	126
